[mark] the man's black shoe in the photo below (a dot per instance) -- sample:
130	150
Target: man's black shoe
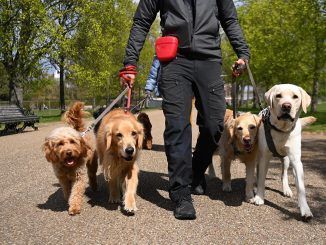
184	209
198	187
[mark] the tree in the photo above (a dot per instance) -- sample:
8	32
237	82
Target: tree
99	47
65	15
287	42
23	41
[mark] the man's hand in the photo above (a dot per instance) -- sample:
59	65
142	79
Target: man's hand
128	75
238	67
148	94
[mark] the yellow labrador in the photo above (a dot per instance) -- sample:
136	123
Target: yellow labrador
285	103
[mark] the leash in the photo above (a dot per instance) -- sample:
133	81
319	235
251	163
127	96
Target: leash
141	103
238	67
251	78
99	118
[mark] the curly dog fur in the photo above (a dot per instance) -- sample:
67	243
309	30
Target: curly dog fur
70	155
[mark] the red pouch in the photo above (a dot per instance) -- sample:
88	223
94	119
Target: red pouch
166	48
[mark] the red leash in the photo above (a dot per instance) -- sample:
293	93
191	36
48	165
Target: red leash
128	100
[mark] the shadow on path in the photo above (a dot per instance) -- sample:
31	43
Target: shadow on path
55	202
148	188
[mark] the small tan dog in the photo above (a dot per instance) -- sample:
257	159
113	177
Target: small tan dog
70	155
119	139
239	140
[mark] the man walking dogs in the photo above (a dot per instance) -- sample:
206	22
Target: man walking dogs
195	69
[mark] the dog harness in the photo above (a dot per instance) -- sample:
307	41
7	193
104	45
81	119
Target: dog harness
267	128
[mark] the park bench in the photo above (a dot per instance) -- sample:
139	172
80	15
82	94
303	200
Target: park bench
12	116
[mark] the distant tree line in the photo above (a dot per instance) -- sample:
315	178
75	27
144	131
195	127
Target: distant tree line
84	41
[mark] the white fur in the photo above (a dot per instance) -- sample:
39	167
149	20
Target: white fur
287	143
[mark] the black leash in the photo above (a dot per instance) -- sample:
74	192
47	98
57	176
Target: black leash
254	85
239	68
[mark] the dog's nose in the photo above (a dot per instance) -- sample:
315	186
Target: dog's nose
246	140
129	150
69	153
286	107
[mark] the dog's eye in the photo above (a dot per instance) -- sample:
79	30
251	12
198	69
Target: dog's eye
252	127
134	133
239	128
278	96
60	143
72	142
119	135
295	96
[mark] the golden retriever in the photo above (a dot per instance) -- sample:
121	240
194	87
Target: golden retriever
239	140
70	155
119	140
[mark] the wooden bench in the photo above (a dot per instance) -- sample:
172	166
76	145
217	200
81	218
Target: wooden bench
12	116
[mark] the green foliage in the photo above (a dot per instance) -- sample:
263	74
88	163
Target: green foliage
24	39
99	46
286	39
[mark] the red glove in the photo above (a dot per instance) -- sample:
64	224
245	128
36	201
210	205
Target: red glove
127	75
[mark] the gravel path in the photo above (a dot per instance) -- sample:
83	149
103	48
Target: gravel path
32	209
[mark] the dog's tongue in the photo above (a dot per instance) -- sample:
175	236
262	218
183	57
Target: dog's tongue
70	161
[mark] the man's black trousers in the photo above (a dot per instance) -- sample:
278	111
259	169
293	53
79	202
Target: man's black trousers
181	79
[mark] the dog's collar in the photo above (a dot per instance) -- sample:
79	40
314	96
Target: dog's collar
266	114
268	135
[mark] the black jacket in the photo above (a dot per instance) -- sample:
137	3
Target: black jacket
197	28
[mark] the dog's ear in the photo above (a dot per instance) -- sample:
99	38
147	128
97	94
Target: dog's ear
85	148
305	100
49	150
230	130
108	136
269	97
140	139
258	120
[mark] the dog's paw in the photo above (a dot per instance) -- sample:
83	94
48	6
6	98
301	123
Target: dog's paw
257	200
73	210
114	199
249	196
130	205
306	215
287	192
227	187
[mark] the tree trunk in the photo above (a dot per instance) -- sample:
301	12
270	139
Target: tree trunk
62	85
317	70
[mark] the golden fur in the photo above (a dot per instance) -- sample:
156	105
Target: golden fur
119	140
70	154
148	138
239	139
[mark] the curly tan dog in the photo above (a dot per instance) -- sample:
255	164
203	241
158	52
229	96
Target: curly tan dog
119	139
70	154
148	138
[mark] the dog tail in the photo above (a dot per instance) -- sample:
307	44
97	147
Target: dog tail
74	116
306	121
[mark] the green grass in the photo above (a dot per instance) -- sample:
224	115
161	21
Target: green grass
49	115
318	126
